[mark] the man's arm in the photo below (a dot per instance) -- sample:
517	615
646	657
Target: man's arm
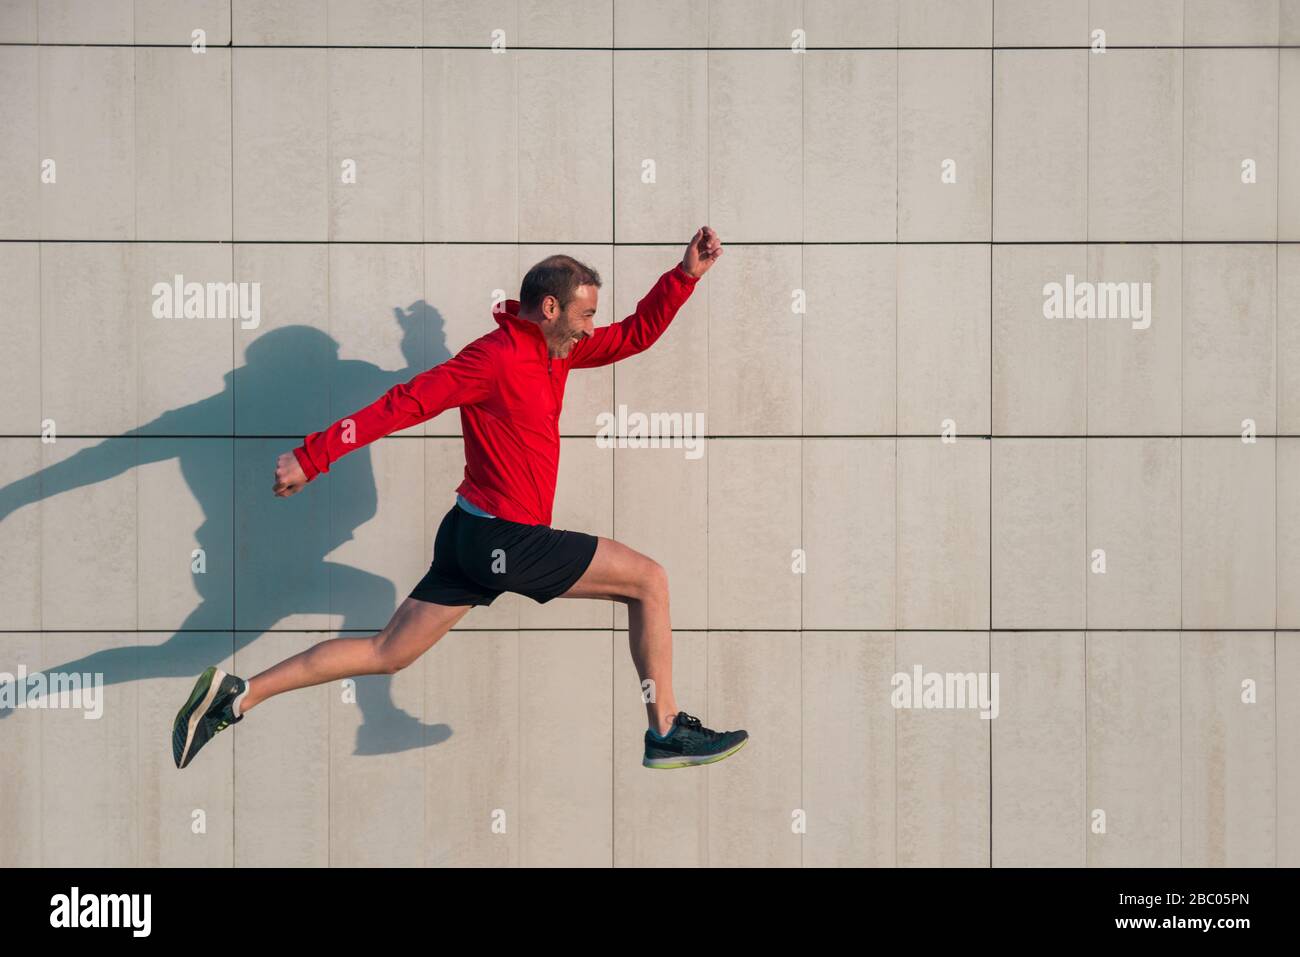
464	379
654	312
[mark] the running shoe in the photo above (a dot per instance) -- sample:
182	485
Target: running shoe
689	743
207	711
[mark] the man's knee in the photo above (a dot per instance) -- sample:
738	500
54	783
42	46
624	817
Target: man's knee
652	582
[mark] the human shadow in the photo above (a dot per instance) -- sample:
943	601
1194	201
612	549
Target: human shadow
264	560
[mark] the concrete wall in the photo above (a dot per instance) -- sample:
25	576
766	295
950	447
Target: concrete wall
1121	693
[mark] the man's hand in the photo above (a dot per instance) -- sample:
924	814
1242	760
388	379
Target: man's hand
289	476
702	252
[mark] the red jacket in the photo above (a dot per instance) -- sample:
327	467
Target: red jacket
510	394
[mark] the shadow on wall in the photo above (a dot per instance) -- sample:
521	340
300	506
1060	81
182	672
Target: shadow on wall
275	392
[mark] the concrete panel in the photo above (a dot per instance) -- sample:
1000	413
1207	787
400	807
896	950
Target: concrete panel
755	144
461	283
470	22
672	375
661	509
284	23
660	820
1288	749
944	114
848	774
378	561
1219	22
18	22
472	777
1288	339
1230	102
1038	750
1134	514
1135	144
565	23
375	22
943	339
185	820
20	162
91	789
186	504
850	352
20	533
1229	552
89	549
281	168
281	577
1040	160
675	141
1040	365
174	21
1053	23
844	23
754	530
850	152
1135	379
86	21
943	759
470	163
755	795
565	814
1288	146
1229	756
282	793
20	325
183	362
584	502
945	23
753	23
943	534
372	290
87	127
1229	333
671	23
565	194
1150	23
284	367
849	533
379	738
756	389
1288	533
1039	560
21	751
1133	727
375	121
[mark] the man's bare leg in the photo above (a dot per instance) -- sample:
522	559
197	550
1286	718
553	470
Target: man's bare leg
414	628
621	574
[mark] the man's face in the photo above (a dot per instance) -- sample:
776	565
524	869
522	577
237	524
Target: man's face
565	329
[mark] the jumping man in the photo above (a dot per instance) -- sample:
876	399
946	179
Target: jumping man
509	386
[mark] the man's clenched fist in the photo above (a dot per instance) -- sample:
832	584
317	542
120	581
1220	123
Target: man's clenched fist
702	252
289	476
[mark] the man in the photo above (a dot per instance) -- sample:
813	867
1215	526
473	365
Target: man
509	386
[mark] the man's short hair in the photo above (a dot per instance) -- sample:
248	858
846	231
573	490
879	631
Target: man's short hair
558	276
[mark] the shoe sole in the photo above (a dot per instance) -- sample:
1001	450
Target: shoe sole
691	762
196	707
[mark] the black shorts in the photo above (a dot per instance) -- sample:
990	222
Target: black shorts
476	559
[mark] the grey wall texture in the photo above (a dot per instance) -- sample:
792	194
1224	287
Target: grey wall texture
1000	376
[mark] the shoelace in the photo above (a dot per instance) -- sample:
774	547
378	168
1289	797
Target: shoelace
692	723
